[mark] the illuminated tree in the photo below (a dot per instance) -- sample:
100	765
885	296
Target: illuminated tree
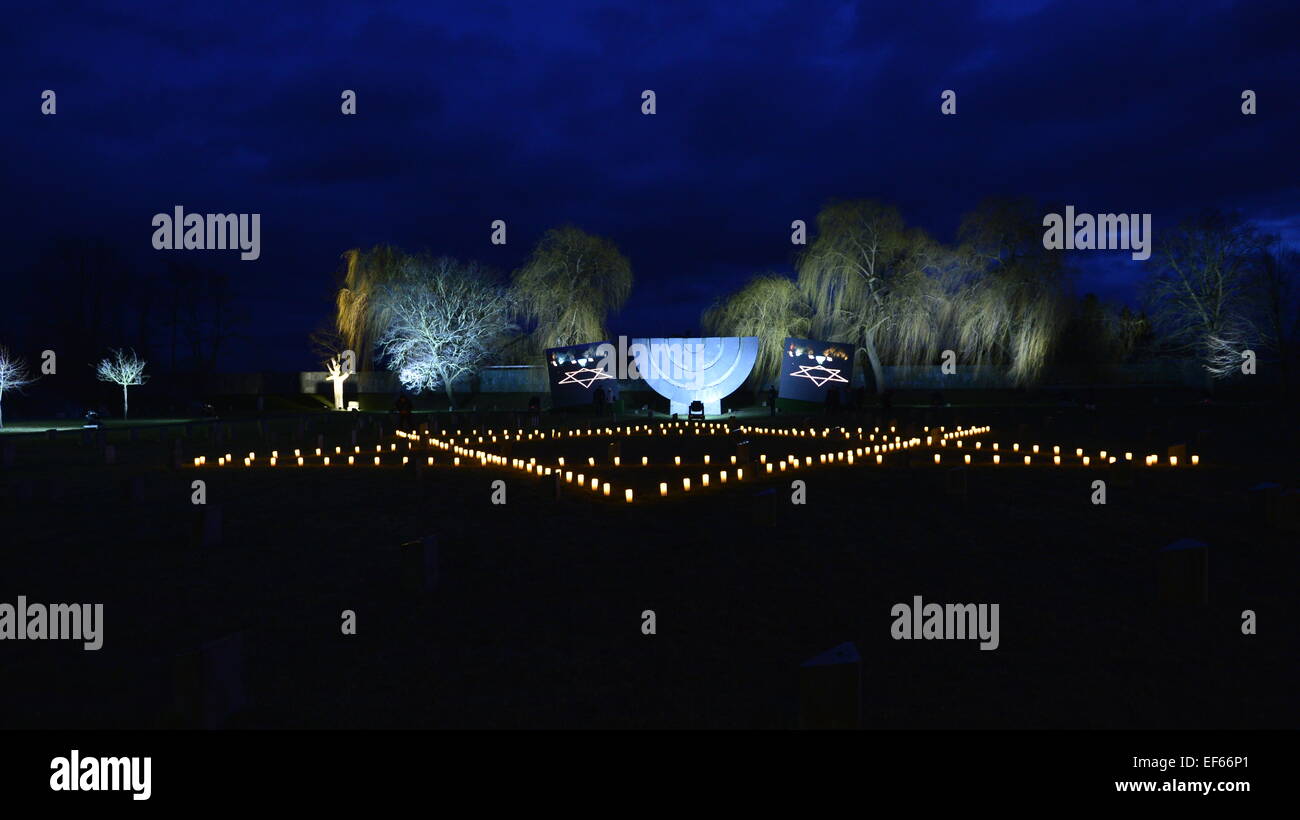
337	374
868	279
13	376
1012	309
359	319
124	368
569	285
770	307
442	319
1203	296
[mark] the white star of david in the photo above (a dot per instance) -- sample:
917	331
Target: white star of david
806	372
572	377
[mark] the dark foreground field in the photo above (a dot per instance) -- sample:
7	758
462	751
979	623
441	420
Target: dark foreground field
536	617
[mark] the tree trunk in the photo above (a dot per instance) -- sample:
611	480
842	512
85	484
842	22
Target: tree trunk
2	413
451	401
876	369
125	407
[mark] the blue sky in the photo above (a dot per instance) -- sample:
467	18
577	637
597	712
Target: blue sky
530	112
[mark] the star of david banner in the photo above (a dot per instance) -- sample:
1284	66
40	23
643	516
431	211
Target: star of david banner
810	369
576	372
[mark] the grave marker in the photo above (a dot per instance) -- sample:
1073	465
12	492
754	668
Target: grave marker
830	690
208	683
419	564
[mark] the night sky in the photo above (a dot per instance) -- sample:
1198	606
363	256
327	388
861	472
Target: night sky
530	112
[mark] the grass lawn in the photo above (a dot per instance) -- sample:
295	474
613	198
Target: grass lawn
536	617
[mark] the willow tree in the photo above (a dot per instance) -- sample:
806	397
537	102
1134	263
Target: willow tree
569	285
358	317
1012	309
867	279
770	307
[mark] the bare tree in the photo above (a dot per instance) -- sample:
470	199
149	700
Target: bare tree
13	376
124	368
572	281
1277	285
441	320
338	373
770	307
1201	294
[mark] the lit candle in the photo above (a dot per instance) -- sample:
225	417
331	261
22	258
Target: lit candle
663	488
627	496
327	461
677	460
644	461
1196	460
740	473
606	488
997	459
686	484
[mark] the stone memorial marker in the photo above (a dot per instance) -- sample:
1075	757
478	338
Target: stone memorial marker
206	527
208	683
1263	501
419	564
830	690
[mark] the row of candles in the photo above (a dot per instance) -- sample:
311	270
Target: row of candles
791	461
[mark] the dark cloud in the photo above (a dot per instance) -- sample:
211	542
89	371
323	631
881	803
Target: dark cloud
530	113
